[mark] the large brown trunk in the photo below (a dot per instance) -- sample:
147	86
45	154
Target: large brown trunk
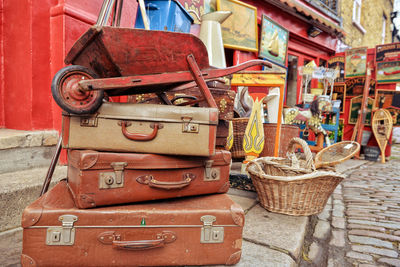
102	178
201	230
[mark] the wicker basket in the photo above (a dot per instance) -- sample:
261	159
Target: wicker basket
291	186
239	127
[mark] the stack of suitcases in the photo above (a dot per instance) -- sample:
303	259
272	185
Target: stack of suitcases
146	187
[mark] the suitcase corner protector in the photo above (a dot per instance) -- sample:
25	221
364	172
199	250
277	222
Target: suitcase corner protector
27	261
237	214
234	258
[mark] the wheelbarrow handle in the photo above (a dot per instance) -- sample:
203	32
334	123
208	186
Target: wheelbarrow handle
52	166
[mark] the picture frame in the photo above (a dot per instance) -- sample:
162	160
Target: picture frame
355	86
355	106
355	62
273	41
391	98
387	61
340	91
239	31
337	62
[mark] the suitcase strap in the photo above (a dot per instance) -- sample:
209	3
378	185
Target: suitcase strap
114	239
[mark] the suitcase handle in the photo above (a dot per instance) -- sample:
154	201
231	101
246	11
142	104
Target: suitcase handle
114	239
138	136
169	185
151	182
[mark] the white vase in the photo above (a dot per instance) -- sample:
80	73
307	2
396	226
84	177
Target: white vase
210	34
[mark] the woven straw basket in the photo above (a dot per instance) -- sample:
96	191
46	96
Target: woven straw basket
291	186
239	127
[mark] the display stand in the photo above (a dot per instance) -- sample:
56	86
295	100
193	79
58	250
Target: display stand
265	79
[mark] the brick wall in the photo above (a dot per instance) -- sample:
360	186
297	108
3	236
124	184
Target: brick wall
371	21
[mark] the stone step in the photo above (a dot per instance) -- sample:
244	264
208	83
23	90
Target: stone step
19	189
22	150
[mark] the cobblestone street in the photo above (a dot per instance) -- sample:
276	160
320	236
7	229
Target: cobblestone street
360	225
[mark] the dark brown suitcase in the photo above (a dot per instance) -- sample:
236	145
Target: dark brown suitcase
101	178
223	96
201	230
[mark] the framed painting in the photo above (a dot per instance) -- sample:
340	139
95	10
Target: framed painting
337	62
356	62
274	41
355	106
387	60
355	86
339	93
239	31
385	98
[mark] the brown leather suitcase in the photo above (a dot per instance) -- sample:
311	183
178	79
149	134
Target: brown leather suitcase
201	230
104	178
144	128
223	96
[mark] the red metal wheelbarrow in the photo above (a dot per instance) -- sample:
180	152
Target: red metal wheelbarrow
124	61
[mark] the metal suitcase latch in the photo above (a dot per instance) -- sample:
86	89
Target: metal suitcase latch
89	121
114	179
188	127
64	235
210	233
210	174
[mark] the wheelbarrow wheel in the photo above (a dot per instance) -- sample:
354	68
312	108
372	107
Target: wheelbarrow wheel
68	94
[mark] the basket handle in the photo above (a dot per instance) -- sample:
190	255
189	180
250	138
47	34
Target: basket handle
307	152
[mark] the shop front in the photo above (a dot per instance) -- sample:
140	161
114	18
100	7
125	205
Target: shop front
47	30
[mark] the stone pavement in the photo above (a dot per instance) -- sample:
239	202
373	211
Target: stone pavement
360	225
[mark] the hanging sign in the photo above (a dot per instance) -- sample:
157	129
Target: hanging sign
355	86
355	107
388	63
356	62
337	63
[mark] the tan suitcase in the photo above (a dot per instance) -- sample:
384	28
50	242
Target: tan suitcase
202	230
144	128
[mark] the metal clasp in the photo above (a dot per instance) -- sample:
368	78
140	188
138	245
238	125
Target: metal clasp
114	179
188	127
89	121
211	174
64	235
210	233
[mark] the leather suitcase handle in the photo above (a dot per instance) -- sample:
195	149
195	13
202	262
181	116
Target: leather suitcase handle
169	185
138	136
138	245
114	239
151	182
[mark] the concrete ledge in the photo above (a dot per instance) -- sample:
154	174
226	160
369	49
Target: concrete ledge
19	189
17	139
11	247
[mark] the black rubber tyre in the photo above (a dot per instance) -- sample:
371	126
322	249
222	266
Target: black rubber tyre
68	95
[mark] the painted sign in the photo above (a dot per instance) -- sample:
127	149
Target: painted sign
337	63
387	98
274	41
339	93
395	112
356	62
197	6
355	86
388	52
355	106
